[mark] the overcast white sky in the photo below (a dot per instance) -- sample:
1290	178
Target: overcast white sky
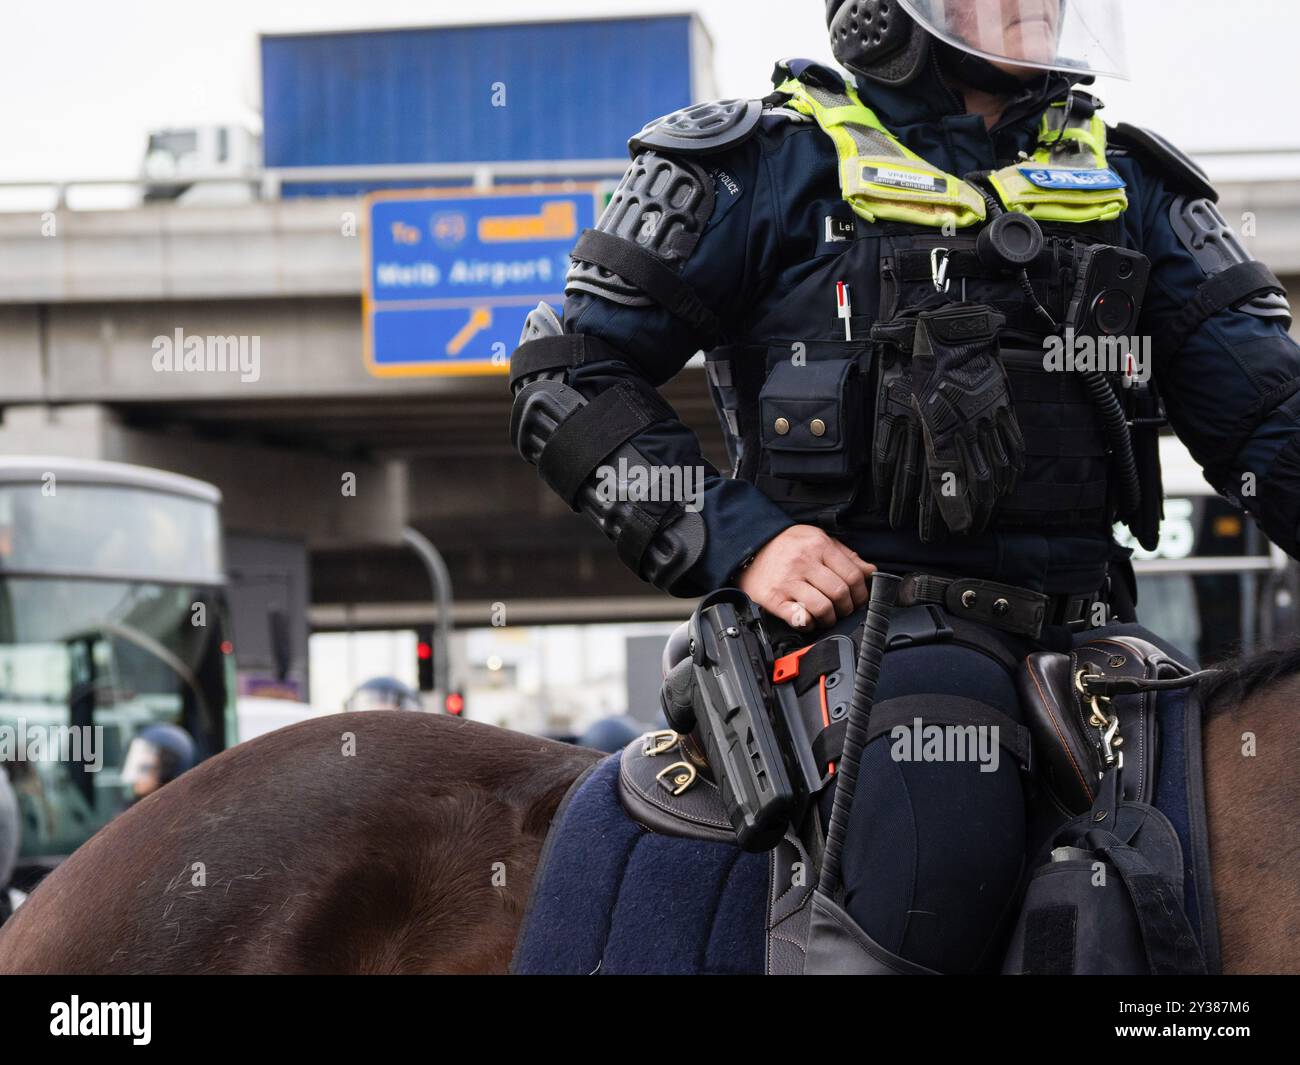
83	80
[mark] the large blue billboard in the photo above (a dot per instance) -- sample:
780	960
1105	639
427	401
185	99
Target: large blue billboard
564	89
450	278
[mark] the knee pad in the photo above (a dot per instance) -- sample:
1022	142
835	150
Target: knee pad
935	851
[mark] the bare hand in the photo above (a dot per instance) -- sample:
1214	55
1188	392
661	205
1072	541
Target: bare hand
807	578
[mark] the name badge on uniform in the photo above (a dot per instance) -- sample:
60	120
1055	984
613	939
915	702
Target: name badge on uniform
897	178
1056	177
839	230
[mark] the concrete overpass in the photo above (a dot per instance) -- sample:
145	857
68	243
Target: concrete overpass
84	294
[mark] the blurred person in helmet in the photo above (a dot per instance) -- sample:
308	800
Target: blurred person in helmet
157	756
384	693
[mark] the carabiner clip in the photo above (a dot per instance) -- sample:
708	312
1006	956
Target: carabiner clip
939	269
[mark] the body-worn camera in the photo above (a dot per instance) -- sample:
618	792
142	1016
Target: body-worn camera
1107	297
1107	303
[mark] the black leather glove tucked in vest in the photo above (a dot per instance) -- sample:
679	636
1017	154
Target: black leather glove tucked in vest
974	452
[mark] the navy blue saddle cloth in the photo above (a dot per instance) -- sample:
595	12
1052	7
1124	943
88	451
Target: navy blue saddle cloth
613	897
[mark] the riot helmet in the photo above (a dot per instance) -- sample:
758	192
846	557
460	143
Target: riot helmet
891	41
384	693
156	756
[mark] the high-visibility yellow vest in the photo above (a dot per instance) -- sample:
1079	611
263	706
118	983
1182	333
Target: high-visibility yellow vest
1067	178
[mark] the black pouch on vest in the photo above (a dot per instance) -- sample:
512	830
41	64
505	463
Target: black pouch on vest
811	420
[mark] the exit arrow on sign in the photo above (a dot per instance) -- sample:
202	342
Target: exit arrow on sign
479	319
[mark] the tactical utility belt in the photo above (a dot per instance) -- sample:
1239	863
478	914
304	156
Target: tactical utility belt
773	725
1015	610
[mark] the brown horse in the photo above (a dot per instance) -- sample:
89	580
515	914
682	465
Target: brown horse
405	843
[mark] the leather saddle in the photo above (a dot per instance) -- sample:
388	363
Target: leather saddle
1077	736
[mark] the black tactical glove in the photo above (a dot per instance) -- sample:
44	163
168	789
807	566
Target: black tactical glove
974	452
898	446
898	450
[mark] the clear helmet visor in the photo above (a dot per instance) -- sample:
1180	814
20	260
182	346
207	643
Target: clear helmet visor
1076	36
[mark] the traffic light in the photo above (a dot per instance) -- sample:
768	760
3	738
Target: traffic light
424	657
454	703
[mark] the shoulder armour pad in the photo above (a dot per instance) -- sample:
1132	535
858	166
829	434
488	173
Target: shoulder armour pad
1170	163
700	129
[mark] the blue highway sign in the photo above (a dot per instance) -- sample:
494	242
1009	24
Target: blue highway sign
451	278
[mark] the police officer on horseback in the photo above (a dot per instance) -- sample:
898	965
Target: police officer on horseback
945	310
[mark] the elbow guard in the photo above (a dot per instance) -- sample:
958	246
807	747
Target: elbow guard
570	439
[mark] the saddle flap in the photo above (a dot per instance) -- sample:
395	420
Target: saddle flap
1063	752
1077	736
791	874
837	946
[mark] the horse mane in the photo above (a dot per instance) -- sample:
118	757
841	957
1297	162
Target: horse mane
1241	677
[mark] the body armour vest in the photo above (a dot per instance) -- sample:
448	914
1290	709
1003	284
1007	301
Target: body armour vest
798	412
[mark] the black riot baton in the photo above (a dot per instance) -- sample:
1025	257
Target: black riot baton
875	635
